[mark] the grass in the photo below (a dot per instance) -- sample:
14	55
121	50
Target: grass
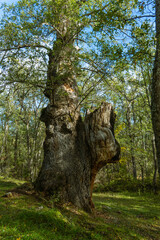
117	216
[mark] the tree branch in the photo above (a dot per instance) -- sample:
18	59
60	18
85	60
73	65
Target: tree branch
89	91
95	11
137	17
24	46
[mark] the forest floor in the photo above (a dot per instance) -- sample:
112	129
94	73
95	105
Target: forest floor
117	216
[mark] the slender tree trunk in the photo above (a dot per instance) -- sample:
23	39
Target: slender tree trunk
155	105
131	136
155	165
29	157
142	176
4	147
134	165
16	153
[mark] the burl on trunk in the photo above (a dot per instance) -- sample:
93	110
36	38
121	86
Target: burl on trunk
75	149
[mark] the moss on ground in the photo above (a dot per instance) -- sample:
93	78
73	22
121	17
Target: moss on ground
117	216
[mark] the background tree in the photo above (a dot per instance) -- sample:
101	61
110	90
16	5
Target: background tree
156	87
22	133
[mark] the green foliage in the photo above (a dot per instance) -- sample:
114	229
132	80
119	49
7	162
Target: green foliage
22	133
125	183
111	54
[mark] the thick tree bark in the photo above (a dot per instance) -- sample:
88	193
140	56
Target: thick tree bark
155	105
74	150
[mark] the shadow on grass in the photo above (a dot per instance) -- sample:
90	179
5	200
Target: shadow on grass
32	224
7	185
140	215
120	217
129	206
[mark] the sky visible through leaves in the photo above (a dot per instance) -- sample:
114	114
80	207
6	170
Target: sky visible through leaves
8	2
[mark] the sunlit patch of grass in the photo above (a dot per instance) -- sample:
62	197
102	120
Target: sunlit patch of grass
8	184
117	216
139	214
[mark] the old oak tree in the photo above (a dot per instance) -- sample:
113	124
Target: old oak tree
39	39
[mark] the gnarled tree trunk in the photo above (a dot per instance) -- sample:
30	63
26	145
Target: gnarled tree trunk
74	150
